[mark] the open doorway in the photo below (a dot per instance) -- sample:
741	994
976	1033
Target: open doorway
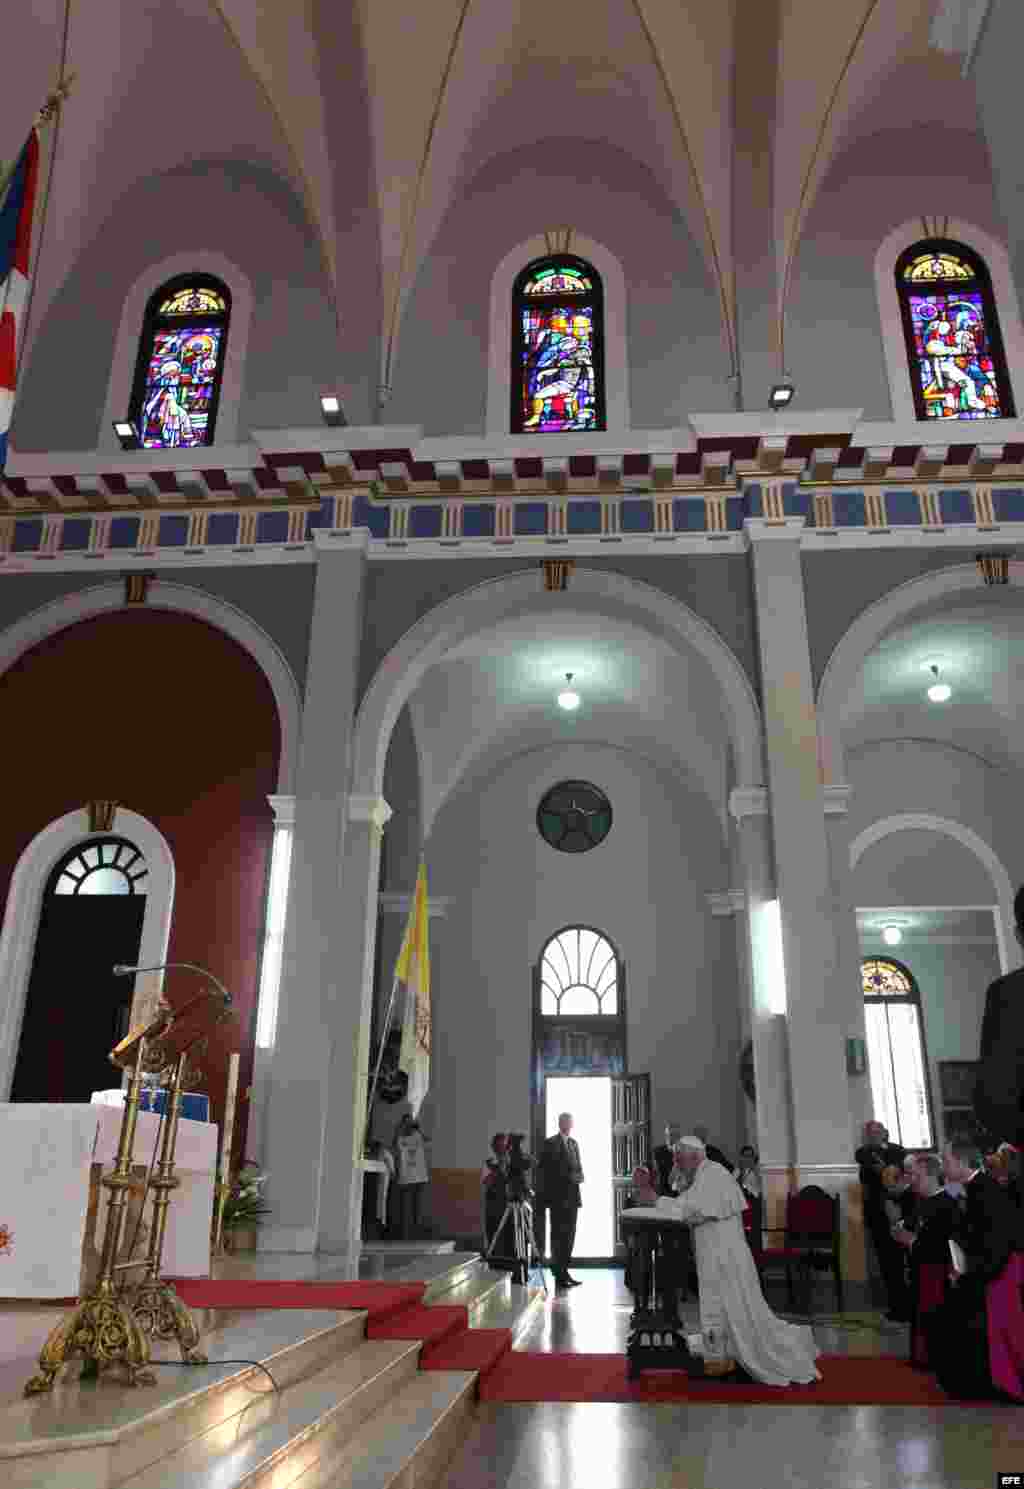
589	1098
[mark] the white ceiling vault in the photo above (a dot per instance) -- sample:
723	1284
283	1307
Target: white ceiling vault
387	110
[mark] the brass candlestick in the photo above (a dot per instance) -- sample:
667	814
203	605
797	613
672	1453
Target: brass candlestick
102	1331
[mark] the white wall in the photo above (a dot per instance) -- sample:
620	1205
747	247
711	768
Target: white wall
644	886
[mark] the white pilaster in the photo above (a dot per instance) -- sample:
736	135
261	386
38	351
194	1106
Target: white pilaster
316	958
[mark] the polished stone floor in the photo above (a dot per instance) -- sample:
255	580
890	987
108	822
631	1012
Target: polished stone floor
606	1446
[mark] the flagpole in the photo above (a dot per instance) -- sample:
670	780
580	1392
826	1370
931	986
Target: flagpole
388	1016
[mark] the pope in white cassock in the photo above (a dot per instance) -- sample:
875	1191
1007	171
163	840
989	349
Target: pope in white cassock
732	1305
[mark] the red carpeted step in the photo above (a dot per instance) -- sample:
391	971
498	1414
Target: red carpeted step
522	1375
381	1300
474	1349
429	1324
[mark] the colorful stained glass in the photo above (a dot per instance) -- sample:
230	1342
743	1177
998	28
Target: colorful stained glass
181	375
194	300
881	979
936	265
558	376
557	281
953	341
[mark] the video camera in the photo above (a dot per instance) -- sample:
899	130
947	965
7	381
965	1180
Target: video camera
520	1165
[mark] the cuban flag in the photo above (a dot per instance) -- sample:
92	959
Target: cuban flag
17	204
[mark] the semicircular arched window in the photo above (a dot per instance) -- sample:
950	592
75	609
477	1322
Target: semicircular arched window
557	347
954	345
579	975
103	866
181	363
897	1061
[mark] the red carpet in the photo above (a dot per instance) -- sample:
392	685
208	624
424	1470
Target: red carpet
524	1376
380	1300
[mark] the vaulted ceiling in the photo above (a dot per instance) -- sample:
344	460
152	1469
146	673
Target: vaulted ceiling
383	111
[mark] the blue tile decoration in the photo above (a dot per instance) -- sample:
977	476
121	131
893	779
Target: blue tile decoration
1008	503
478	520
848	509
753	500
689	514
172	532
734	514
583	517
956	506
75	536
124	532
795	503
365	514
272	527
530	520
637	516
221	527
902	508
425	520
28	534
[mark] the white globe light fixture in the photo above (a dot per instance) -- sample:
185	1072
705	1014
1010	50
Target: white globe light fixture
892	935
568	698
939	692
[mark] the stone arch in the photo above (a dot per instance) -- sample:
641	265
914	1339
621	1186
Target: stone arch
841	673
24	902
616	364
1002	885
99	599
485	605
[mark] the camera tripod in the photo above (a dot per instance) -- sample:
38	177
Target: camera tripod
524	1246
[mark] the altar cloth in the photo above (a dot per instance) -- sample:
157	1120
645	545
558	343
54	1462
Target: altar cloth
47	1151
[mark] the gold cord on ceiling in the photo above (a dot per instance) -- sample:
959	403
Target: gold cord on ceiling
798	222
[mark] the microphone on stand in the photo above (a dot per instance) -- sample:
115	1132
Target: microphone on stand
121	970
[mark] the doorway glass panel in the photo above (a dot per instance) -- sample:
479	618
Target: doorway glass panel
589	1099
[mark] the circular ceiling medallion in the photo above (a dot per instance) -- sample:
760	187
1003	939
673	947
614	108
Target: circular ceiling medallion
574	817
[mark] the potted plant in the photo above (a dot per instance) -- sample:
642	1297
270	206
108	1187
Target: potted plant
244	1208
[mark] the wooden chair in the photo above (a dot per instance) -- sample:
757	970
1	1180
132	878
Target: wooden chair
810	1239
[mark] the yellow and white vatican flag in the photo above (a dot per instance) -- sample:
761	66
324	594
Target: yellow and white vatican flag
413	971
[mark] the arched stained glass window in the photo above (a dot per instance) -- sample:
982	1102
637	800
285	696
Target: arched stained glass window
579	974
103	866
181	363
557	348
957	365
896	1055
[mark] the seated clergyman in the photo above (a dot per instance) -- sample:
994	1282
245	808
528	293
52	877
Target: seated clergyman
732	1306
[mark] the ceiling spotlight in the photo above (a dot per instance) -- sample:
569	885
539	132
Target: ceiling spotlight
569	699
126	433
781	396
330	407
892	935
939	692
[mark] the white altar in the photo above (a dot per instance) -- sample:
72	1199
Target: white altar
47	1153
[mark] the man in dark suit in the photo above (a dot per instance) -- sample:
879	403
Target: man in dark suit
998	1094
925	1239
665	1157
876	1154
560	1174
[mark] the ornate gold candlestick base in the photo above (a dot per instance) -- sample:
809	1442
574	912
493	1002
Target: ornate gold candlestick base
157	1310
101	1332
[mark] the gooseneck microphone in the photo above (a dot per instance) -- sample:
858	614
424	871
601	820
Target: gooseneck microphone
121	970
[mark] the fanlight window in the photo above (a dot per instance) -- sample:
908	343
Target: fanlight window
896	1056
579	974
180	364
557	348
957	366
106	866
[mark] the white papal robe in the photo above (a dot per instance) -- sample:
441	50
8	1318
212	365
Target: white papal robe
731	1301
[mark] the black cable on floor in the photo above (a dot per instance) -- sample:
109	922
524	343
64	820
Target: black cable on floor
196	1365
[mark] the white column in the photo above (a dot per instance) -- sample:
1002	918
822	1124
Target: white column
283	808
316	955
848	988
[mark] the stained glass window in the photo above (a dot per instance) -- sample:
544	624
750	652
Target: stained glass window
957	366
579	974
180	365
557	348
574	817
897	1063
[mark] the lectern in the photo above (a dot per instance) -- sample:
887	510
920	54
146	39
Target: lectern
114	1323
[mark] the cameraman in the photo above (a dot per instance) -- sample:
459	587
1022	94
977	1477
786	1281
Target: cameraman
494	1180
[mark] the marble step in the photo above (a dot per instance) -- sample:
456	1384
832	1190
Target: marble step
409	1444
96	1434
282	1438
513	1311
440	1273
474	1292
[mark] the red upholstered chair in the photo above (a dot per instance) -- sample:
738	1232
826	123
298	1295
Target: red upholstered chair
810	1239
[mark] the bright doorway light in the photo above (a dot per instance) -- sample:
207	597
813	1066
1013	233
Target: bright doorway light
892	935
589	1098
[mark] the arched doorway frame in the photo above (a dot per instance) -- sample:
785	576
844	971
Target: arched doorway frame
24	904
1002	884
